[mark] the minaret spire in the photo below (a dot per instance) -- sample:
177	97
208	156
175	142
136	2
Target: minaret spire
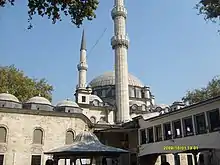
120	43
83	41
82	66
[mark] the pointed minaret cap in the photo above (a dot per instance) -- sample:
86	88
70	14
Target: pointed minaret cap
83	41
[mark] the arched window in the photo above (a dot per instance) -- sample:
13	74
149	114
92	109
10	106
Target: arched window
3	134
69	137
103	93
38	136
93	119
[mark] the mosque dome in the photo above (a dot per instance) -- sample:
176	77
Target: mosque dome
39	100
67	103
8	97
108	78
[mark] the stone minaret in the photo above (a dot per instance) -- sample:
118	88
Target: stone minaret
82	66
120	44
82	91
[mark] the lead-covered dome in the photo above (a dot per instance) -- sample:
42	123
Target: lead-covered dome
39	100
67	103
8	97
108	78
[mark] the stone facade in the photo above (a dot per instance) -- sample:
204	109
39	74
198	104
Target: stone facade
20	125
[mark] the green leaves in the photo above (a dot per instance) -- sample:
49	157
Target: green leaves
77	10
210	9
211	90
15	82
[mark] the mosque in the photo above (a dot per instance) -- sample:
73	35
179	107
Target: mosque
114	105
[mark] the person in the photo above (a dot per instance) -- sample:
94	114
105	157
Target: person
165	163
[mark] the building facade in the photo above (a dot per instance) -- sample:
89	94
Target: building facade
185	136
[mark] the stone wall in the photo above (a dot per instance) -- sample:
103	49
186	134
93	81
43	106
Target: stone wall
20	126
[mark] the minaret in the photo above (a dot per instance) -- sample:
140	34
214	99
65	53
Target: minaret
120	44
82	66
82	91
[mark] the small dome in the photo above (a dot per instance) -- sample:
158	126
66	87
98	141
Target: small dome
8	97
39	100
108	78
67	103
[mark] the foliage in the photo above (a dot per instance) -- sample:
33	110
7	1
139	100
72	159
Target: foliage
15	82
211	90
78	10
210	9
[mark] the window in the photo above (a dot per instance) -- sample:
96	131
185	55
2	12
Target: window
150	135
36	160
214	120
167	131
177	129
138	92
69	137
142	94
200	123
177	159
103	93
3	134
131	92
201	158
163	158
38	136
190	159
1	159
158	133
143	136
188	126
113	92
83	98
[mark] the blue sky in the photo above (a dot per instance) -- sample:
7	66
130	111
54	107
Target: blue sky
172	49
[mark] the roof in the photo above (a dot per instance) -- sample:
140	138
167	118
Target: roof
208	101
39	100
8	97
108	78
86	144
67	103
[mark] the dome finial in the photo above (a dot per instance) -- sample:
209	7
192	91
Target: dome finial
7	92
39	95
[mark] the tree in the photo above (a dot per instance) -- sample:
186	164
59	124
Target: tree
210	9
14	81
78	10
211	90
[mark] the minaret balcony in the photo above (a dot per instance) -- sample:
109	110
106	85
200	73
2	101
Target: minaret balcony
120	40
119	11
82	66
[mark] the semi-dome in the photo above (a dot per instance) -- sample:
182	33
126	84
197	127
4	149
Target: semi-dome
8	97
67	103
39	100
108	78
